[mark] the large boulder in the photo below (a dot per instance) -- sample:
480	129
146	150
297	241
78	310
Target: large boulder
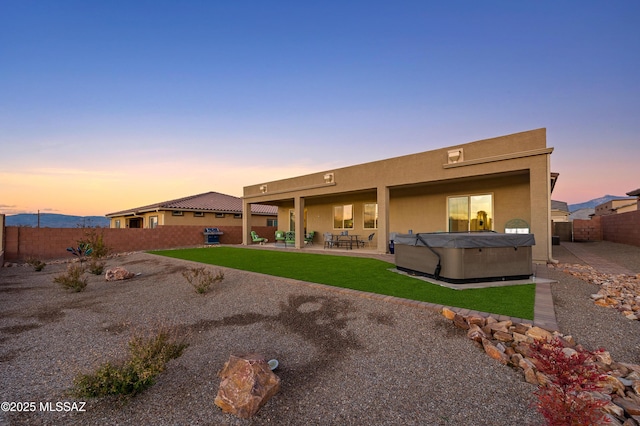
118	273
247	384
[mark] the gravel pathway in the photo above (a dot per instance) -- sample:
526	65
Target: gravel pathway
344	359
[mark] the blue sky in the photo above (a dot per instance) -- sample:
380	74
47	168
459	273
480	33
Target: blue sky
107	105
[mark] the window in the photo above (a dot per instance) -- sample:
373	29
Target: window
272	222
219	215
153	221
117	224
470	213
198	214
370	216
177	213
343	217
237	216
292	220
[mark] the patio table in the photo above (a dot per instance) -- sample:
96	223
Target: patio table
346	241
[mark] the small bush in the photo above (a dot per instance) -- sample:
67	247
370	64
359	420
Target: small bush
96	266
96	242
148	356
202	279
37	264
72	279
566	399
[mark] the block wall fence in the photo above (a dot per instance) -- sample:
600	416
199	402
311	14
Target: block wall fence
623	228
587	229
21	243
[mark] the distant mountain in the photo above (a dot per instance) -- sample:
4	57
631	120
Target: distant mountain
50	220
593	203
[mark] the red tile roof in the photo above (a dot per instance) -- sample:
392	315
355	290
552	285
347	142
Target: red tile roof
209	201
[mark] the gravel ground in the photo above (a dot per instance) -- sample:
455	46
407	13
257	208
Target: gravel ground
594	326
344	359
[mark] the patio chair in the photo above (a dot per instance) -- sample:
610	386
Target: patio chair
308	239
255	238
280	238
367	241
289	238
328	240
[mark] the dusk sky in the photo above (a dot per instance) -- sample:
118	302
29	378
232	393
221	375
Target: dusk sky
109	105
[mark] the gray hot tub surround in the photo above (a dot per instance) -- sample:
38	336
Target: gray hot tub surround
465	257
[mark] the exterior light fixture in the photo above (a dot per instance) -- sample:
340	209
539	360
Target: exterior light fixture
263	188
328	178
455	155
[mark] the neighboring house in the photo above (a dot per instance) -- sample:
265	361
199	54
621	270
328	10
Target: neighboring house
635	193
209	210
621	205
559	211
477	186
583	214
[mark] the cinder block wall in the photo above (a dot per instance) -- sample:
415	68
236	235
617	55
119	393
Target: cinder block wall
587	230
622	228
22	243
1	240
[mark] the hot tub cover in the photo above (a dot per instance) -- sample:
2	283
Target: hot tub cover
466	240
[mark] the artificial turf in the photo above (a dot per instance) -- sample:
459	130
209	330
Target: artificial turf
365	274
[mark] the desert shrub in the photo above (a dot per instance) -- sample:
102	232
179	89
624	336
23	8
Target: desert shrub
148	356
566	399
202	279
96	241
37	264
73	279
96	266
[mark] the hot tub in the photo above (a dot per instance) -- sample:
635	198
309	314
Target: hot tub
465	257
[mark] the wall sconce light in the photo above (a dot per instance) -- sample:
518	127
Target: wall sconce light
455	156
328	178
263	188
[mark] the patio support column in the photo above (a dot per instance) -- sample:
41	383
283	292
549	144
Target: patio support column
298	206
540	184
383	219
246	222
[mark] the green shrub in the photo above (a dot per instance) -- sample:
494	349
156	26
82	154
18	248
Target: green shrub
148	356
37	264
96	242
96	266
202	279
72	279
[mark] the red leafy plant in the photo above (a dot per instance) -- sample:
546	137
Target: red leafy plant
566	398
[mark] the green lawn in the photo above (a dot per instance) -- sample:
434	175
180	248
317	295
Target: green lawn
364	274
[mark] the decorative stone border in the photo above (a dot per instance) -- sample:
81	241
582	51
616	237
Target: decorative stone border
509	344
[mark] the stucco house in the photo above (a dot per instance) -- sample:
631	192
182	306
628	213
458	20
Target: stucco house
208	210
559	211
635	193
483	185
620	205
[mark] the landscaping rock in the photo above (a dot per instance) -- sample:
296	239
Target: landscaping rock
621	292
493	351
538	333
118	273
510	344
476	333
247	384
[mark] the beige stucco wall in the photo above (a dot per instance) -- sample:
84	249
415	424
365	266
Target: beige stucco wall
515	168
616	206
